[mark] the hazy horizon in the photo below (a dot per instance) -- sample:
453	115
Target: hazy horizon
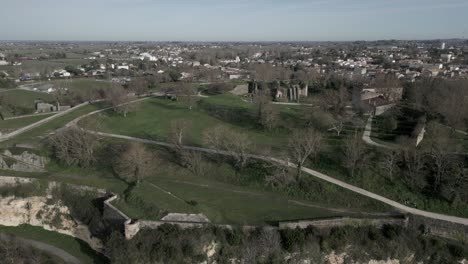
232	21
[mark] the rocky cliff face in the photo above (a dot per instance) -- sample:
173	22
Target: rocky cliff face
26	161
39	211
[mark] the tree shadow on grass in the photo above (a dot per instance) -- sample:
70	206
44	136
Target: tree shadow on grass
97	258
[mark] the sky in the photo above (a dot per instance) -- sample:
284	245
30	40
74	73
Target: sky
232	20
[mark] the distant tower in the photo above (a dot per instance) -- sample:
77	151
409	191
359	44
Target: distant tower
443	46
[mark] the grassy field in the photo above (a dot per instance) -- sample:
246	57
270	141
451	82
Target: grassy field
23	101
153	118
38	66
152	121
12	124
82	84
75	247
173	188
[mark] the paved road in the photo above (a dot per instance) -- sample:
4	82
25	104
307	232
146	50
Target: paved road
65	256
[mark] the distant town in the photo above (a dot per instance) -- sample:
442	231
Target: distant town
234	152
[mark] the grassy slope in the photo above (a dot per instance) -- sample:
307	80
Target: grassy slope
24	99
221	202
20	122
37	134
153	118
72	245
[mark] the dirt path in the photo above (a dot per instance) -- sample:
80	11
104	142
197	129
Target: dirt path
65	256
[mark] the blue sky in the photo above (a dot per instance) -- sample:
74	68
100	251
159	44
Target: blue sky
243	20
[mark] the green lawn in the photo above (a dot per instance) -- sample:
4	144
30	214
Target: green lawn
174	189
12	124
74	246
229	204
153	117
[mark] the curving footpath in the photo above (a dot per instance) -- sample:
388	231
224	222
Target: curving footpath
366	136
65	256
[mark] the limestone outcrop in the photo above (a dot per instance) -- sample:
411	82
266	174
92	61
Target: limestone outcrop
26	161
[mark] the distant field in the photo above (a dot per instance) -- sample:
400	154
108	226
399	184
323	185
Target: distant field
82	84
38	66
75	247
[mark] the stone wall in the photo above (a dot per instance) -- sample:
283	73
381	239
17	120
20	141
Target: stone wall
345	221
116	219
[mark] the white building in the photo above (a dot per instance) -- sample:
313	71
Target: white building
148	56
123	67
3	60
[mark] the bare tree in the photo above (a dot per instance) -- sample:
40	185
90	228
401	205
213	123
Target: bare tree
336	100
267	114
389	164
389	86
178	131
304	143
139	86
187	94
338	126
74	146
120	100
135	163
280	176
353	151
413	161
233	143
214	138
193	160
